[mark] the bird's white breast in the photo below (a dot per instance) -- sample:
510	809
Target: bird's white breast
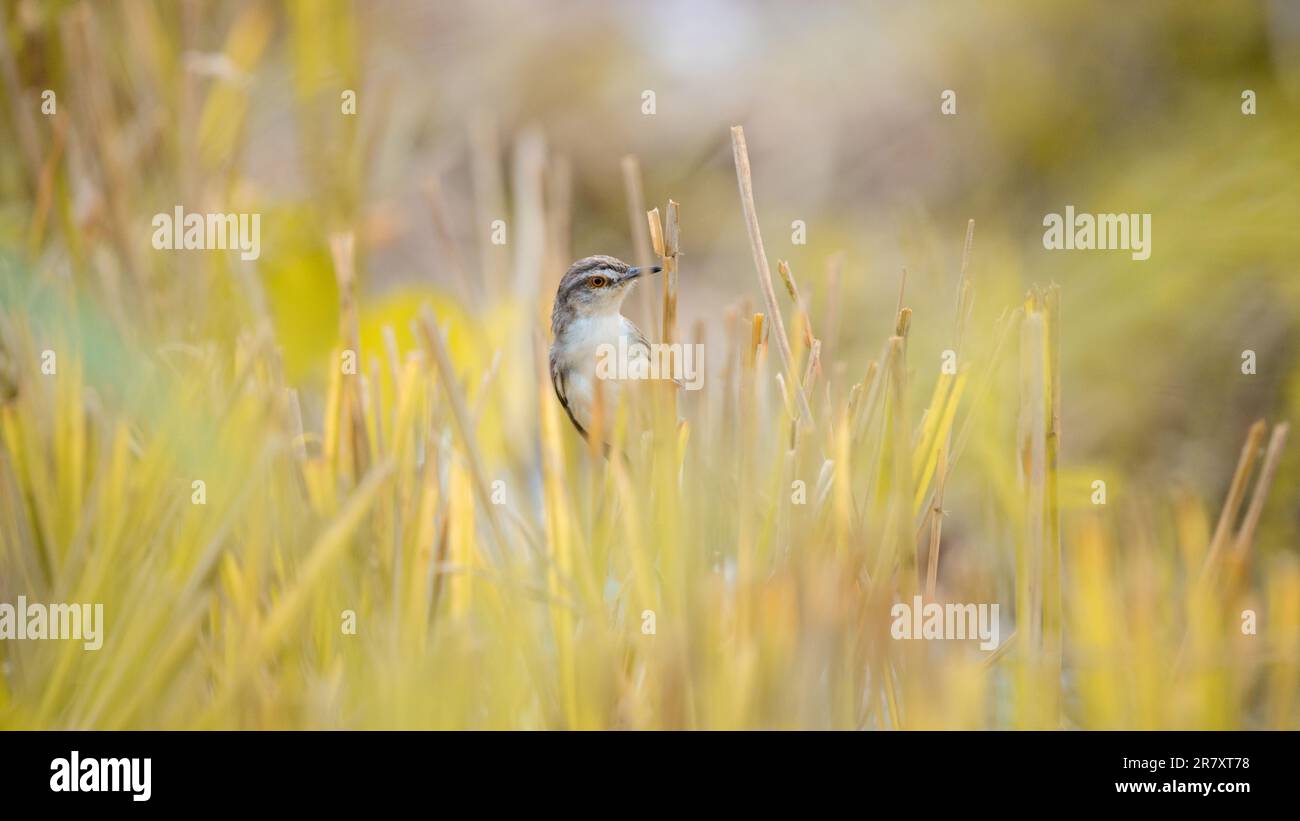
576	354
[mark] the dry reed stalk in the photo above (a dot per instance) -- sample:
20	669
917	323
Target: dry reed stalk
901	452
893	442
1052	615
757	339
1038	556
672	237
665	239
351	408
1272	456
903	324
938	424
655	231
872	425
655	227
747	535
745	180
700	399
902	292
985	383
814	365
1232	504
808	341
1210	569
963	316
432	336
1033	466
936	529
326	551
801	310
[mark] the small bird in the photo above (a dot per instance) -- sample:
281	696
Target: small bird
585	317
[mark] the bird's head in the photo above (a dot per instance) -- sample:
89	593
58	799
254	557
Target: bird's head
596	286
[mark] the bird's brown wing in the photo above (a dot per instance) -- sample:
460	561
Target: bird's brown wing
557	382
639	337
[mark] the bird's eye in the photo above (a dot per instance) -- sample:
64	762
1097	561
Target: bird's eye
597	282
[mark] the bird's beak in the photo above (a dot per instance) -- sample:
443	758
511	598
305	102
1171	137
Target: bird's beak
633	273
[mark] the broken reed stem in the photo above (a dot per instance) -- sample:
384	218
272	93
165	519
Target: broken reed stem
656	228
745	180
672	246
665	242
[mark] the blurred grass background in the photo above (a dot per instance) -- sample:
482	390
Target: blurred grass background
328	492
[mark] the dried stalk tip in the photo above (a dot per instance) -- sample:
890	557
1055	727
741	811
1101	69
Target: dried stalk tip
783	268
656	232
745	181
904	322
757	332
